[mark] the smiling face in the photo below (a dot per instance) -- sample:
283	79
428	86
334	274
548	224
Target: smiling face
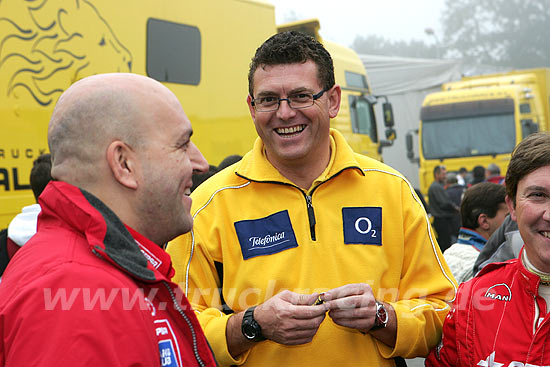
168	160
532	213
294	137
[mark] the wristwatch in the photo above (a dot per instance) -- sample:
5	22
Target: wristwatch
250	328
381	317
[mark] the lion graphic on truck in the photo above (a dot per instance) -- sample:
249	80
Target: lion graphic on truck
55	44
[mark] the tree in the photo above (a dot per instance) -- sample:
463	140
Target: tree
378	45
498	32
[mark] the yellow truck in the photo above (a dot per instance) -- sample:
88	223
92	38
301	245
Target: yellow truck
201	50
479	120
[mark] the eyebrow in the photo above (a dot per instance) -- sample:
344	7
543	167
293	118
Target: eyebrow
185	136
536	188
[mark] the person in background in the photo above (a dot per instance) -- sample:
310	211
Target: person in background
321	256
442	208
482	211
23	226
463	177
493	174
92	287
500	317
504	244
478	175
455	191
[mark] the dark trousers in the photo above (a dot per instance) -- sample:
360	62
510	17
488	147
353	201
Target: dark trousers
444	229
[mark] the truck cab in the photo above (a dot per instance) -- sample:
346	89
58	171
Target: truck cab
479	120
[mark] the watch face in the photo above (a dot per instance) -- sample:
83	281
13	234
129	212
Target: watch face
249	331
381	315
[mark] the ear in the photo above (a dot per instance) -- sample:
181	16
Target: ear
482	222
122	162
334	98
250	107
511	208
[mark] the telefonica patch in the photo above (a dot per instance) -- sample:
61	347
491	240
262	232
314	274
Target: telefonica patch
362	225
265	236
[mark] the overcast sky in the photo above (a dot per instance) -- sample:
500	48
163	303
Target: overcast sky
342	20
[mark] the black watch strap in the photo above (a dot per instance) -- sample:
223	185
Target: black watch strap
250	328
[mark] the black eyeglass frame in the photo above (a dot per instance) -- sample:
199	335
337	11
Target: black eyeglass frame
314	96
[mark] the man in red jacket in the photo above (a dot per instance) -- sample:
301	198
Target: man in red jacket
500	317
92	287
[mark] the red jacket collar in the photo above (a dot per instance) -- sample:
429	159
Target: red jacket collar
107	236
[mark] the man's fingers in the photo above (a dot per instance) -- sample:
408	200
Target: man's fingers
347	290
300	299
351	302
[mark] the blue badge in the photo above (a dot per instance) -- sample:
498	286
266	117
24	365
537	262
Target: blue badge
362	226
266	236
167	356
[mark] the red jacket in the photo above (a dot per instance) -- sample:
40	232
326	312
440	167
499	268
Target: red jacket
84	292
491	323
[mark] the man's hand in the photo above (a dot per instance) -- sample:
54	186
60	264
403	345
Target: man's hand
286	318
289	318
354	306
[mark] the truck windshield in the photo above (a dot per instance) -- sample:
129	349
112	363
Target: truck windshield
468	129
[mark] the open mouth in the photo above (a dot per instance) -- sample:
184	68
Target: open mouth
290	131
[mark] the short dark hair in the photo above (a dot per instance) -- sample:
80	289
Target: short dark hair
41	174
483	198
438	169
479	172
293	48
529	155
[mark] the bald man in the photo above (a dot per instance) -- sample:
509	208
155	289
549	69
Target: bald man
92	287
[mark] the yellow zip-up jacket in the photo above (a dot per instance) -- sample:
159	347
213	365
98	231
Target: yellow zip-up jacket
256	234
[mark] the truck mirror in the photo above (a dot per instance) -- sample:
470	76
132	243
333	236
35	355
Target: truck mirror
388	114
391	134
529	127
370	99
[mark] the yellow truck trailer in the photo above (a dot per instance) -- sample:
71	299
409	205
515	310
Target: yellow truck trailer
479	120
201	50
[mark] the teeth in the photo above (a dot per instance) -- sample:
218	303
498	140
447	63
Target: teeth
290	130
546	234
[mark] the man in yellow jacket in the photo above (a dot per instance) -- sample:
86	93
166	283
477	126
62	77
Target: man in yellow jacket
302	225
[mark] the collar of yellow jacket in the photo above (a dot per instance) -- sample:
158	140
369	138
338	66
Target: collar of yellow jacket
256	167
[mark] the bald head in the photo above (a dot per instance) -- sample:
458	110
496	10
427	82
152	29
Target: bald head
91	114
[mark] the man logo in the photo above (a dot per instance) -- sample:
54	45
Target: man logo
265	236
362	225
69	40
369	226
500	292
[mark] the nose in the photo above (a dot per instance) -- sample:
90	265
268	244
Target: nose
285	112
198	162
546	214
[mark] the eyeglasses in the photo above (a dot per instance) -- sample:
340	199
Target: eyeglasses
295	101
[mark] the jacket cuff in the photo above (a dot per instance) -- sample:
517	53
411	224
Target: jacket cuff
414	337
215	329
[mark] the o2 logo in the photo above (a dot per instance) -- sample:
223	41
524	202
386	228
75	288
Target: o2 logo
362	225
368	230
